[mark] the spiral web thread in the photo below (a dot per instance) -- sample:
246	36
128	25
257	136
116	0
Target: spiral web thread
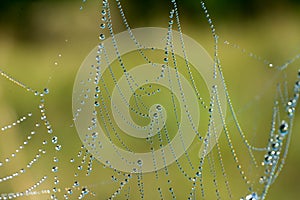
201	171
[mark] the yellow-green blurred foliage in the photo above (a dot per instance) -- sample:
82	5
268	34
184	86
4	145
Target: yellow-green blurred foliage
59	36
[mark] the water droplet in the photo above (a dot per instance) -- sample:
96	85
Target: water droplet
102	26
283	128
97	104
46	91
54	169
101	36
94	134
58	147
158	107
76	184
140	162
70	191
252	196
54	140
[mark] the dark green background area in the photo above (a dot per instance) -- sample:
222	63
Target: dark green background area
16	15
225	8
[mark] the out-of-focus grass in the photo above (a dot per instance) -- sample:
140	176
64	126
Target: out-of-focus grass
66	35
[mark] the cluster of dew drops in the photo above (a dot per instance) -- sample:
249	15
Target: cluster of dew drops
279	135
50	141
43	121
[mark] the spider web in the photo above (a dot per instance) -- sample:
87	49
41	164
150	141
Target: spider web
238	164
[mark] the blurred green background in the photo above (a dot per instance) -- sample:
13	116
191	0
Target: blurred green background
42	43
